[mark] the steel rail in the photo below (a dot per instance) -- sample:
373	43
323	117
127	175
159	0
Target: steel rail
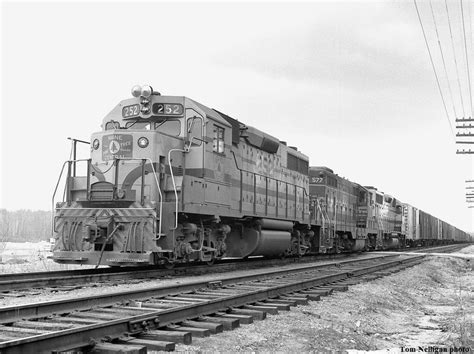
444	248
27	311
82	336
18	281
113	270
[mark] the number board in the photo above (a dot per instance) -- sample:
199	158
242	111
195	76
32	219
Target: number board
131	111
317	180
168	109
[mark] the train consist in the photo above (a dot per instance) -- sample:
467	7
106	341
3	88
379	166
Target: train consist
170	180
364	218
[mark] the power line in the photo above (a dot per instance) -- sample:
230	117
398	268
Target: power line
472	47
442	58
434	69
467	57
470	26
470	32
455	60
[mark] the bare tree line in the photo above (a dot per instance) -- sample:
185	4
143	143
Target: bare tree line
24	225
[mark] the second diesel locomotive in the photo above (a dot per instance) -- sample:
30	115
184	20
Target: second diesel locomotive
170	180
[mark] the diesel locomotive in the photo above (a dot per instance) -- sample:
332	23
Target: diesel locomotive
170	180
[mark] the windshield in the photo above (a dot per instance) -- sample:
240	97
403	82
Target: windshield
171	127
138	125
112	125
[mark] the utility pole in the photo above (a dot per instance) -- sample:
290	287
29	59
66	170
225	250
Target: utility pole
461	124
470	193
466	130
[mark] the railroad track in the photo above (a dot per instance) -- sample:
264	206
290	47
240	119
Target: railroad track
438	249
24	284
11	284
157	318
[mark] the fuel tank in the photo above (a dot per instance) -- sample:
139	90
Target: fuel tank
391	243
359	245
272	224
269	243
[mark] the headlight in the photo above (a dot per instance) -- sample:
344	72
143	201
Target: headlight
136	91
143	142
147	91
95	144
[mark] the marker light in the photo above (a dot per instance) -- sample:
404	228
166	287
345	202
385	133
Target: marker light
143	142
95	144
147	91
136	91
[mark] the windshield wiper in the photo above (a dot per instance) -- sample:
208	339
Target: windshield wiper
160	124
131	125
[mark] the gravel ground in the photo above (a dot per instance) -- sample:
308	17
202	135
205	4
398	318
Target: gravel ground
431	304
25	257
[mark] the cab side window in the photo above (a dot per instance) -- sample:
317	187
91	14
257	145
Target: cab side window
218	139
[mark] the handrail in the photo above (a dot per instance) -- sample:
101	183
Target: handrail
322	213
54	195
185	150
324	217
124	159
159	190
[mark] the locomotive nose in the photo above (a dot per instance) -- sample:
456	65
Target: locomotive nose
126	146
126	166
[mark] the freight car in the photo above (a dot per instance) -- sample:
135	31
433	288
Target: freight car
410	221
170	180
423	229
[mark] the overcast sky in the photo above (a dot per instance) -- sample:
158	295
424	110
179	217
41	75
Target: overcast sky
349	83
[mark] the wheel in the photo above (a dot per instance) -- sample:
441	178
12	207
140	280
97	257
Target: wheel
211	262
